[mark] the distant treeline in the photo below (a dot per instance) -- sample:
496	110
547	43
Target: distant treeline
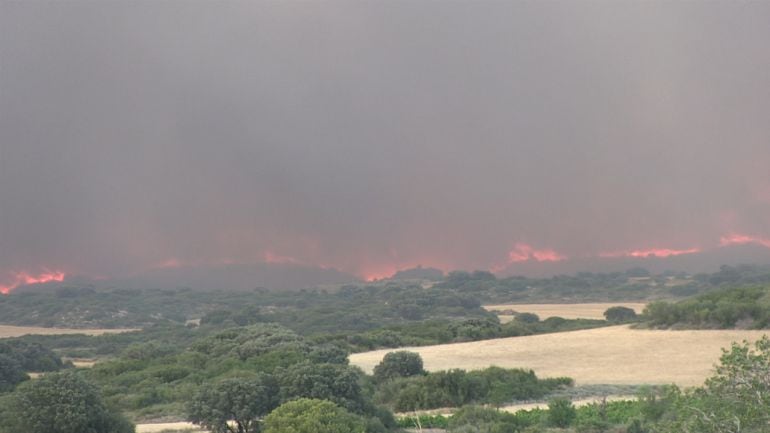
367	307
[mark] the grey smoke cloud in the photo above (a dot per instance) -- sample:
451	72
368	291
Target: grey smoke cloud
369	136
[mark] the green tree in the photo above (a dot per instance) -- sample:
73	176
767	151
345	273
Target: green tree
31	356
620	314
312	416
527	318
234	405
62	403
735	400
399	364
334	382
11	373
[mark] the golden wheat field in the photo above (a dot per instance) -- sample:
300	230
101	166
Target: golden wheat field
611	355
567	311
7	331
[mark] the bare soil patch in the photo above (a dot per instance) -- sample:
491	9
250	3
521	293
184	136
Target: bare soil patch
610	355
568	311
83	363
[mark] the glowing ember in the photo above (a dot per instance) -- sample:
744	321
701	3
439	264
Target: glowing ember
375	276
740	239
372	272
24	278
271	257
652	252
522	252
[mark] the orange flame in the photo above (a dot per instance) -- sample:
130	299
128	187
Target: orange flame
24	278
522	252
273	258
652	252
372	272
741	239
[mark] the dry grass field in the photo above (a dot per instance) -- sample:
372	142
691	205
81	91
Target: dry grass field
513	408
611	355
7	331
567	311
168	427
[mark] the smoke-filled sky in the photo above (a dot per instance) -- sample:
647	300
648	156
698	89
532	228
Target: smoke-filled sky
370	136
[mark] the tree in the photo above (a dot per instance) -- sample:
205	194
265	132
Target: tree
11	373
399	364
620	314
62	403
528	318
735	400
242	402
312	416
31	356
333	382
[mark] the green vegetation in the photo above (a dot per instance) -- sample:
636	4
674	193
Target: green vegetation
743	307
456	388
561	412
620	315
243	401
17	357
735	400
312	416
11	373
398	364
61	403
257	356
442	331
369	306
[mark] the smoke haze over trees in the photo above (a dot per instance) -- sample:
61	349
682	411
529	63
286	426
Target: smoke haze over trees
373	137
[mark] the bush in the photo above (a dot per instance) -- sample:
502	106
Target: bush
561	412
312	416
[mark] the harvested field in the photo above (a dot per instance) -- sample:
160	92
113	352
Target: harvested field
7	331
513	408
610	355
168	427
83	363
567	311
